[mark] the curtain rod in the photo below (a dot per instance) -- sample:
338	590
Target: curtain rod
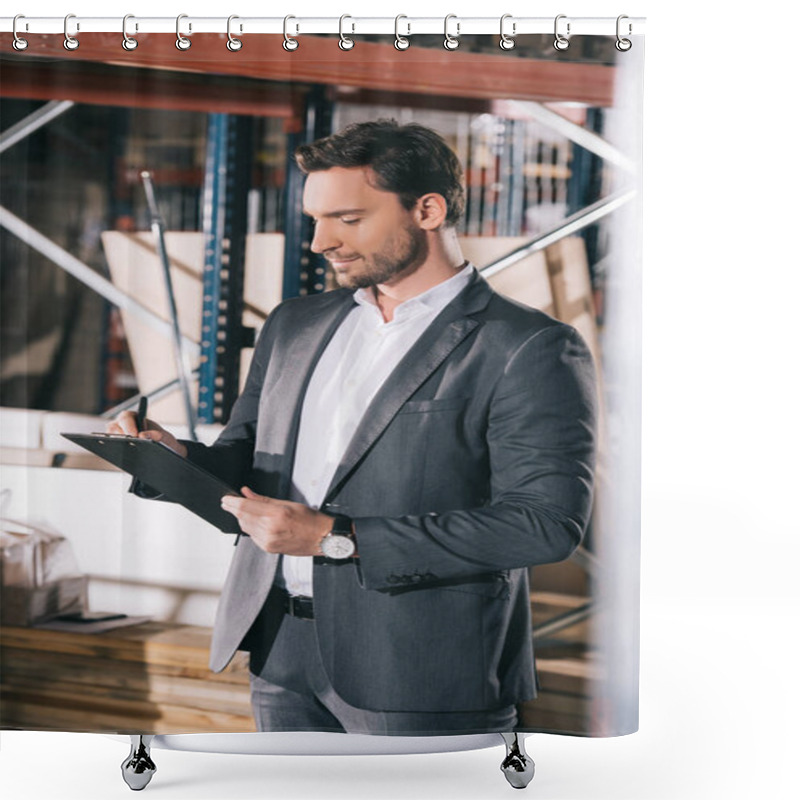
294	26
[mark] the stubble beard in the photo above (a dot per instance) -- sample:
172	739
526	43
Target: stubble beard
402	256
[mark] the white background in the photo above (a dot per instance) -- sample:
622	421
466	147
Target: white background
719	695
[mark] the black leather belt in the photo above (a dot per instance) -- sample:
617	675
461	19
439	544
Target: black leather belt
300	607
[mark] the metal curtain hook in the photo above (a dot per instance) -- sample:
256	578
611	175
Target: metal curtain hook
451	42
182	43
233	44
623	45
561	42
19	43
289	44
506	40
128	42
345	43
400	42
70	42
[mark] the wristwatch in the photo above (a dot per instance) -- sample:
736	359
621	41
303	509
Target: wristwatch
340	543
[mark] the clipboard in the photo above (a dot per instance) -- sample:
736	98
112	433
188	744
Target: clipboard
161	468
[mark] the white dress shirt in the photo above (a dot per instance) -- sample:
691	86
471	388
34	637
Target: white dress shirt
357	361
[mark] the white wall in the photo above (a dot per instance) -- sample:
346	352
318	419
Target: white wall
143	557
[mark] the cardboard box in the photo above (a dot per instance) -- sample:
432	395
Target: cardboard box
39	576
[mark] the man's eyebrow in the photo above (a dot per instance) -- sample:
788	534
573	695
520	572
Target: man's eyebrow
338	213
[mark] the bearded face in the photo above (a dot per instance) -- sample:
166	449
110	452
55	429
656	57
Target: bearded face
365	233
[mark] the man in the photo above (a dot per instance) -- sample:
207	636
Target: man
408	445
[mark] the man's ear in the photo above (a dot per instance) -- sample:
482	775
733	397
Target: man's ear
431	211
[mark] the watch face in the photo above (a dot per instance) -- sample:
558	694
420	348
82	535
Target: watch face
336	546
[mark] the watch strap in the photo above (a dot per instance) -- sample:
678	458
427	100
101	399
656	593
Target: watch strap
342	526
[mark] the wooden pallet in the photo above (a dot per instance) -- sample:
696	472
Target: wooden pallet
154	678
149	678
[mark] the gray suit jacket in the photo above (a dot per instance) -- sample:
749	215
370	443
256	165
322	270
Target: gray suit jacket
473	462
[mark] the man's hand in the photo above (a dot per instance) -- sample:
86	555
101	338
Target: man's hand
126	423
279	526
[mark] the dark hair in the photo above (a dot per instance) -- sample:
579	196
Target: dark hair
409	160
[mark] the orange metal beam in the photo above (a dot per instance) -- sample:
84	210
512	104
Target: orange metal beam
81	82
369	65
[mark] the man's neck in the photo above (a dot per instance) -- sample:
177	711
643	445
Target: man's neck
389	296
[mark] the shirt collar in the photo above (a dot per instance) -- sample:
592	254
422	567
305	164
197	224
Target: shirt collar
433	299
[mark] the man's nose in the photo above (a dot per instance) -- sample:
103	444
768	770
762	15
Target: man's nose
324	237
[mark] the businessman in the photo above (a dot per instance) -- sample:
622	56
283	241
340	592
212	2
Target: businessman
407	446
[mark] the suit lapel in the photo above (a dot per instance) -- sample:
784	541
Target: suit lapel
285	397
441	337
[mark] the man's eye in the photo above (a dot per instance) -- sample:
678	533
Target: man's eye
350	220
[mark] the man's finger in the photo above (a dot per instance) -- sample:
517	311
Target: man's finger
245	505
124	423
231	503
249	493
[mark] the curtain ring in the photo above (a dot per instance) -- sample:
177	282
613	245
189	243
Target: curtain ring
233	44
182	43
506	41
401	42
561	42
451	42
623	45
128	42
70	42
19	43
345	43
289	44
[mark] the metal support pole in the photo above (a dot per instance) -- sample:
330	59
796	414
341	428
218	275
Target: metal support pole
573	224
157	226
504	179
517	177
583	137
303	271
34	121
87	275
133	401
563	621
228	169
586	182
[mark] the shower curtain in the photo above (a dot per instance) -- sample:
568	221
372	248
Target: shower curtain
109	598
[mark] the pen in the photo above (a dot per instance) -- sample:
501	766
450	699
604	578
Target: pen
141	415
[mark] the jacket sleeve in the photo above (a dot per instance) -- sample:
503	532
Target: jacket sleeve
541	441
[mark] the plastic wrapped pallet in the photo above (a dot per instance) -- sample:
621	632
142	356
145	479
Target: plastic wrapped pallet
39	578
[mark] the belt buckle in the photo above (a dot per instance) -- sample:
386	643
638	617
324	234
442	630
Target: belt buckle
298	607
291	609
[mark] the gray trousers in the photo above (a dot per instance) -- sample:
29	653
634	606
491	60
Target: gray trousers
291	692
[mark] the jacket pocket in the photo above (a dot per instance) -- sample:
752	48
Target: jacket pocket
437	404
494	585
